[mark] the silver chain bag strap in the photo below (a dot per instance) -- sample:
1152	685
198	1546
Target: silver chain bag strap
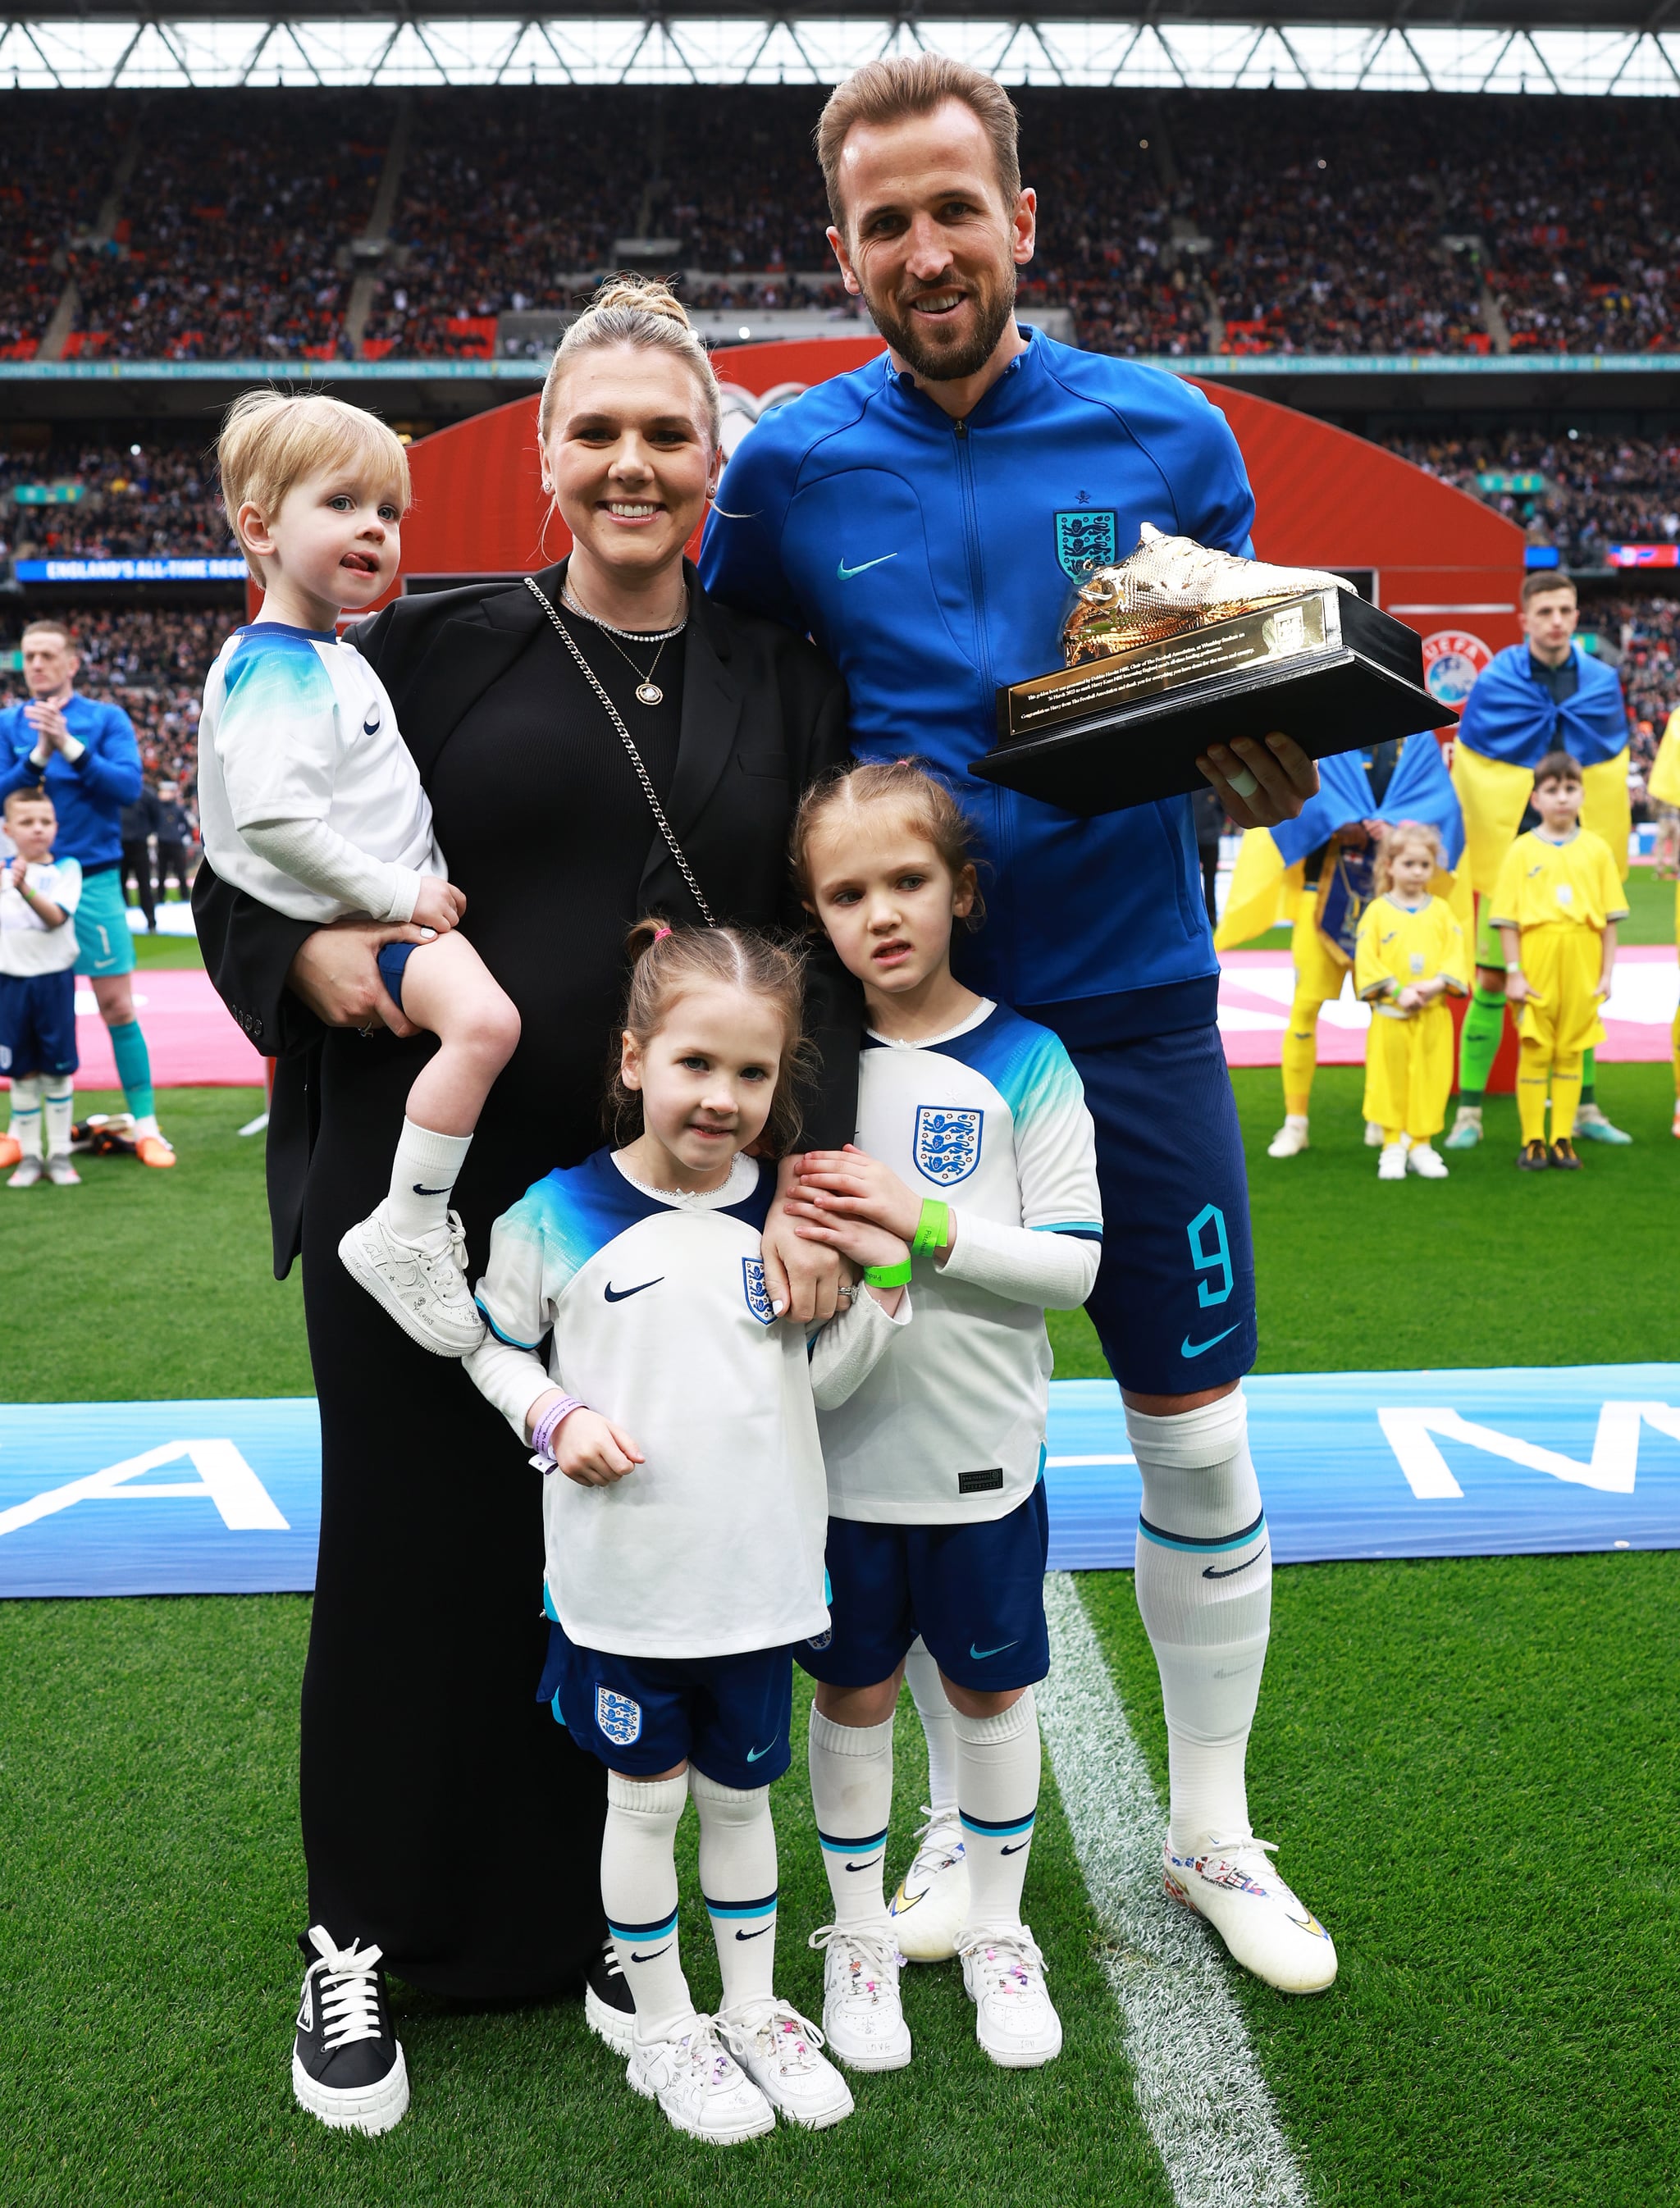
629	744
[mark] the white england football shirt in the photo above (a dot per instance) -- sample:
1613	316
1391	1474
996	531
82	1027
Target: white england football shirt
27	945
991	1118
660	1321
298	750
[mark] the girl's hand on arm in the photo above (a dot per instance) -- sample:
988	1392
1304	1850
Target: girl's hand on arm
865	1244
849	1184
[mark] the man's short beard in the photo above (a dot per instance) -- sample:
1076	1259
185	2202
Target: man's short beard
936	364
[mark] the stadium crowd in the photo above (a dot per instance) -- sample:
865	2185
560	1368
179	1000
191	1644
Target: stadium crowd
1346	224
133	501
1599	489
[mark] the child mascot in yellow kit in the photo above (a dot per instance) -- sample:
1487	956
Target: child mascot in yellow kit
1410	956
1556	905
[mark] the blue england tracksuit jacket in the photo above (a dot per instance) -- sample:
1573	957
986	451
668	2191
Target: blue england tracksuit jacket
933	560
89	796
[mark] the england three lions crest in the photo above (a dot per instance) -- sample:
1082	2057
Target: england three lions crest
619	1717
947	1142
758	1295
1084	539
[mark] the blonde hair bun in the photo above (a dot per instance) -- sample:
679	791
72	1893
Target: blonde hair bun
647	293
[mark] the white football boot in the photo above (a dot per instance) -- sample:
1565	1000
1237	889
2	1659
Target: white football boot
1466	1129
700	2086
422	1284
931	1906
61	1172
781	2051
1592	1126
863	2019
1267	1929
1426	1161
1391	1165
1290	1139
1015	2022
31	1171
1373	1134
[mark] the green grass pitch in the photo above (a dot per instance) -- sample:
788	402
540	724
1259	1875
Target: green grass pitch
1471	1764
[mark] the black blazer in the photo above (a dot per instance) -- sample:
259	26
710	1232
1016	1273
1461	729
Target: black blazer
764	714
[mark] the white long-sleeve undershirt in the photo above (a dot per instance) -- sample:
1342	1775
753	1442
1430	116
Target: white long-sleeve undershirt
1024	1264
311	853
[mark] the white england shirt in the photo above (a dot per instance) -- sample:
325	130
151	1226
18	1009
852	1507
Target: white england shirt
948	1426
660	1321
27	945
308	799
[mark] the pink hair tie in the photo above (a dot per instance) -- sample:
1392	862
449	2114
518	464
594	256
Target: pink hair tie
661	932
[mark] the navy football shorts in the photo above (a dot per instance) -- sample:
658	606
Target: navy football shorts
727	1715
974	1592
1173	1304
38	1023
390	961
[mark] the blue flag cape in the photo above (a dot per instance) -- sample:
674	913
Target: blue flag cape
1510	716
1421	789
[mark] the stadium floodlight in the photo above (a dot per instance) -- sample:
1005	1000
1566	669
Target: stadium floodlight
412	49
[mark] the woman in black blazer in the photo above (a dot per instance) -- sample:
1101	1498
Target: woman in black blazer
446	1819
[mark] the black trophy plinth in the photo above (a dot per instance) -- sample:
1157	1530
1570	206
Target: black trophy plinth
1325	667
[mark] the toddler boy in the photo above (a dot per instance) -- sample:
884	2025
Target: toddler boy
37	951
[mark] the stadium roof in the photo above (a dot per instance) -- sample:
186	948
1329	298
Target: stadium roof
1543	47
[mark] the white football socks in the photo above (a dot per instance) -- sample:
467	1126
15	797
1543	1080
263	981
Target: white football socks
639	1894
1204	1590
59	1099
851	1791
26	1123
928	1694
423	1173
998	1764
738	1879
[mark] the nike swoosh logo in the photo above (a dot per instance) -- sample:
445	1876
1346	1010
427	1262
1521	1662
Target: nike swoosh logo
870	1865
979	1655
846	572
1189	1348
418	1190
1016	1849
753	1753
657	1953
759	1934
1231	1570
370	728
617	1295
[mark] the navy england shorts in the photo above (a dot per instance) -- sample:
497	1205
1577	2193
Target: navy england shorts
1173	1304
727	1715
392	959
38	1023
974	1592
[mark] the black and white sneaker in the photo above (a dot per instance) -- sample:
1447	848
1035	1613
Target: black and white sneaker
347	2064
609	2010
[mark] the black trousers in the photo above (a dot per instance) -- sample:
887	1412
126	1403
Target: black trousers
446	1816
172	859
137	867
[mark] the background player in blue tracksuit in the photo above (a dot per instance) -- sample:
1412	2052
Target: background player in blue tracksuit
86	756
925	519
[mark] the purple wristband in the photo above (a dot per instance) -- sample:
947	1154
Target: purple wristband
549	1425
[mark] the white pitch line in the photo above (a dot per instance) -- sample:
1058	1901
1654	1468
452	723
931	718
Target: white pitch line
1196	2076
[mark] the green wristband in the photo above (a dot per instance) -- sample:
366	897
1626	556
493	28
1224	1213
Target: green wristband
933	1230
888	1276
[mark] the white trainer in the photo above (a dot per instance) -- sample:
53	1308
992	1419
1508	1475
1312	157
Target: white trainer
863	2019
1015	2022
1373	1134
1267	1929
1426	1160
1290	1139
931	1906
700	2086
781	2051
61	1172
1391	1165
422	1284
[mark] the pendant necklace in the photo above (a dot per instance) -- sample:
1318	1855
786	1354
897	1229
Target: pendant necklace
648	692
